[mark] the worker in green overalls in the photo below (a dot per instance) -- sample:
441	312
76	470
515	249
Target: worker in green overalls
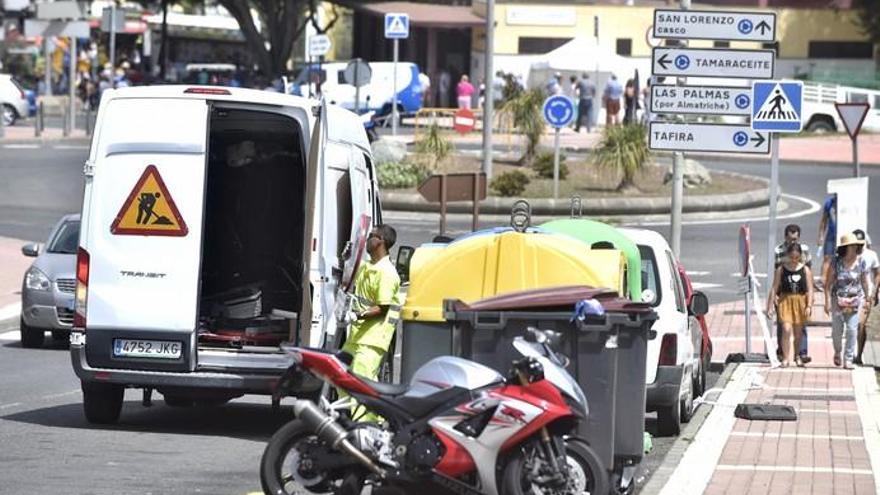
377	308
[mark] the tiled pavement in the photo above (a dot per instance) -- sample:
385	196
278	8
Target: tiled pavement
832	448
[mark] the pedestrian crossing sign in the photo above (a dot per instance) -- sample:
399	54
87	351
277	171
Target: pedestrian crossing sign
149	209
396	26
777	105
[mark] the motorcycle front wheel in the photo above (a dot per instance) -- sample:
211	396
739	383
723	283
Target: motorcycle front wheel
286	467
525	473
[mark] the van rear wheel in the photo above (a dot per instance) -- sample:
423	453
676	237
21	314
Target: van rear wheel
102	402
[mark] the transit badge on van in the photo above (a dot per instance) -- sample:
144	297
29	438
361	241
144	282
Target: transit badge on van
149	209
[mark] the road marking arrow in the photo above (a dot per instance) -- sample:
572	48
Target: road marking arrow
664	61
758	140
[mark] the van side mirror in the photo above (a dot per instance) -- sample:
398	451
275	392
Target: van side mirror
31	250
699	304
404	256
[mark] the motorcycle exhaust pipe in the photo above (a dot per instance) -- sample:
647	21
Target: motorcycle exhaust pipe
332	432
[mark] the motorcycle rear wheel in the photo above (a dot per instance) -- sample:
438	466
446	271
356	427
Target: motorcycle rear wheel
281	452
586	474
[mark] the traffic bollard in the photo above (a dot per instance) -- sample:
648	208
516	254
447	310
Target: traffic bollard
38	120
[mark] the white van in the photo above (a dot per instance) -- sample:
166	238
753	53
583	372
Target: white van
216	223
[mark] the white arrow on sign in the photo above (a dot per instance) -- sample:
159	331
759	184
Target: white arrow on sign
706	62
725	138
852	115
702	100
714	25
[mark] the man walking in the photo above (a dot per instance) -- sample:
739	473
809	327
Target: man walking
611	99
873	265
793	236
586	92
377	308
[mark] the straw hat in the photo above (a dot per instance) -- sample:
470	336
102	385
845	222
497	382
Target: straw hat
850	240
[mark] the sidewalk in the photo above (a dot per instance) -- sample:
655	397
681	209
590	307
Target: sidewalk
21	132
832	448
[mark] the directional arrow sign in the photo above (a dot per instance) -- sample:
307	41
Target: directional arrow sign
706	62
726	138
702	100
714	25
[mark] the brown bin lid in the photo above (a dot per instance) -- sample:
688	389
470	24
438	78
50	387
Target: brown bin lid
555	297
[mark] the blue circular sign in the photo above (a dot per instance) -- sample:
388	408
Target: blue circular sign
559	110
745	26
682	62
742	101
740	138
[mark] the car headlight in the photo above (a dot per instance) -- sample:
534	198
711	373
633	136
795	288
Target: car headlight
37	280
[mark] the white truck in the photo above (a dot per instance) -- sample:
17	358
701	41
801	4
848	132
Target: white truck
216	224
819	114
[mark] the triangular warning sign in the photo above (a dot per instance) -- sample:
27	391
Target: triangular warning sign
852	115
777	107
149	209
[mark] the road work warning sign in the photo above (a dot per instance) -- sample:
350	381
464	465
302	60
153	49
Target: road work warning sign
149	209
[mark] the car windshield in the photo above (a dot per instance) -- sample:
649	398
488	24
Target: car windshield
650	274
66	239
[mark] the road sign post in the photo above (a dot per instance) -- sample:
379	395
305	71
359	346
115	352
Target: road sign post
443	188
357	73
396	28
708	62
558	111
853	115
464	121
745	256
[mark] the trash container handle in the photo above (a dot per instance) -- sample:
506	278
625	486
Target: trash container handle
488	321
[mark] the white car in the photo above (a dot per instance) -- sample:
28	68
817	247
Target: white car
13	100
674	365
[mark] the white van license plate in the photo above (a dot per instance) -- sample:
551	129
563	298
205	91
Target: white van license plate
156	349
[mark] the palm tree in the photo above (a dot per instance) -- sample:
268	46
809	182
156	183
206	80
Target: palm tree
623	149
524	111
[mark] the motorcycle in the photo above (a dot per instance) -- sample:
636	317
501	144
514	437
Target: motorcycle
457	427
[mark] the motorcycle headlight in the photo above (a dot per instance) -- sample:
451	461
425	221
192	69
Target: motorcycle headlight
37	280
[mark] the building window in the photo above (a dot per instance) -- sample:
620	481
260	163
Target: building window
721	44
840	49
537	46
624	46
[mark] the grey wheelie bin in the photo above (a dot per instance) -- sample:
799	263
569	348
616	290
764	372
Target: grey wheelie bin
607	354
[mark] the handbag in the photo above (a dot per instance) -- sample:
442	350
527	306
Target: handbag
848	304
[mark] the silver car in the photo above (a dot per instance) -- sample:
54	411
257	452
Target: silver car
47	291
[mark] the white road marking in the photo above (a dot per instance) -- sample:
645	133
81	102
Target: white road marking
14	335
10	311
813	390
826	411
813	207
740	275
805	436
796	469
6	406
70	147
696	467
868	404
698	273
705	285
21	146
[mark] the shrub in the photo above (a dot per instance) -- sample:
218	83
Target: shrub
401	175
512	183
623	149
434	144
543	166
525	113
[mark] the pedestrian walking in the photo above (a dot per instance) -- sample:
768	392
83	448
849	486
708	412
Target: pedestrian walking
792	294
611	100
554	85
586	93
376	307
846	287
630	102
873	265
828	233
444	84
465	92
793	237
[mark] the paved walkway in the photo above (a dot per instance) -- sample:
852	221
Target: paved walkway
22	132
832	448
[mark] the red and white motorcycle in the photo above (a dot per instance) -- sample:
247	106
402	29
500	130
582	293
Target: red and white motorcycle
457	427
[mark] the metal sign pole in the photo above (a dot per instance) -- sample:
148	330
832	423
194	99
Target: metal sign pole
748	287
394	94
857	167
556	164
442	203
357	87
476	213
678	176
112	40
48	74
72	85
774	196
489	104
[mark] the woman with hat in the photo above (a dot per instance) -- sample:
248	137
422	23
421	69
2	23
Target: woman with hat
792	293
846	288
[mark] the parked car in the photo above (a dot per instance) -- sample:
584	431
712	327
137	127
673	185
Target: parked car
47	291
674	357
12	99
706	347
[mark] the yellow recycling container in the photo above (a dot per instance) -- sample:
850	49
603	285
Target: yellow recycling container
490	263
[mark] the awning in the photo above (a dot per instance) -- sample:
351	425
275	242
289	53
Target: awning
428	15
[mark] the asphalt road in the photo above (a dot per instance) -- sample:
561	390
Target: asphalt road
48	446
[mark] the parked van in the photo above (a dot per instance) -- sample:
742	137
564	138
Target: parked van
216	224
375	96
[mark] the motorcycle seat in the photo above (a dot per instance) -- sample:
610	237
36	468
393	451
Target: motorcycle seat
388	389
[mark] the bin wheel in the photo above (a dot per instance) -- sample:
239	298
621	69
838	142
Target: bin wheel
585	471
102	402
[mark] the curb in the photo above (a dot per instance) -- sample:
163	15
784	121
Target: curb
38	140
655	483
591	206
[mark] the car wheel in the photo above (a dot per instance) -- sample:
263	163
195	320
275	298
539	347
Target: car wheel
700	379
31	338
669	420
61	334
687	403
102	402
9	115
821	125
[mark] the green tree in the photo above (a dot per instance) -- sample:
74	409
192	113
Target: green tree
524	110
623	149
867	14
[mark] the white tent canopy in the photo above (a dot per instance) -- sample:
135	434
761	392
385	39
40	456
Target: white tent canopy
583	55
